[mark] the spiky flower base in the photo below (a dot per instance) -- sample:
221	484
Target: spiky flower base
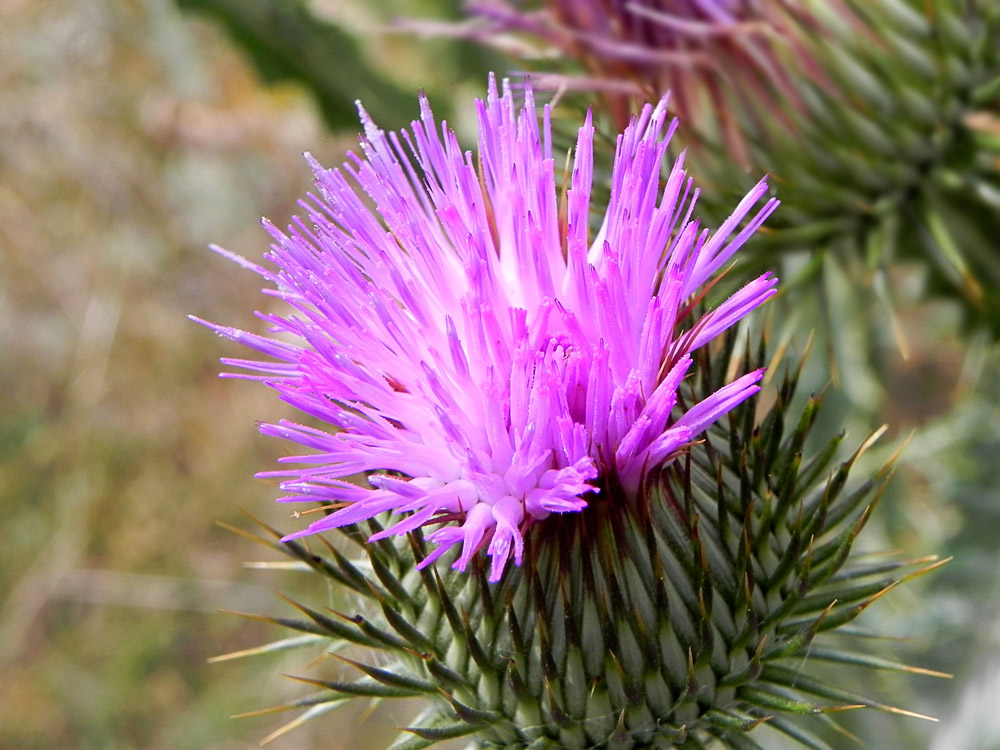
675	620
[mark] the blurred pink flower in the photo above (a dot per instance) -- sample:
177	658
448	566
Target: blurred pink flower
712	55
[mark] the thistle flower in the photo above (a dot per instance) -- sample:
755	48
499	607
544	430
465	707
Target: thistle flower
550	398
706	52
483	361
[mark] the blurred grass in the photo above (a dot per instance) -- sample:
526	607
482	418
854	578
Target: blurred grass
130	138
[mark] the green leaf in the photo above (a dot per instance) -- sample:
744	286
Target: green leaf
288	43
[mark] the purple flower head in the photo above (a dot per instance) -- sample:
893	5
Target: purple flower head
720	59
481	358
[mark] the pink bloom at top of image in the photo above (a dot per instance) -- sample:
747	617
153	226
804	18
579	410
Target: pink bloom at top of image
722	60
480	355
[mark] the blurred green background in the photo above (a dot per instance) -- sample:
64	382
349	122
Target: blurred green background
132	135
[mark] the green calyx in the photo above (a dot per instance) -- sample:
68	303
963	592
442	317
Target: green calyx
678	619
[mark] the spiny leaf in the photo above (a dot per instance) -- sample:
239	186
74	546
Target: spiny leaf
803	737
305	717
364	688
842	656
771	697
394	679
468	714
286	622
285	644
796	679
316	699
440	733
329	626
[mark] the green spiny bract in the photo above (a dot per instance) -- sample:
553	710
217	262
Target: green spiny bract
892	153
677	621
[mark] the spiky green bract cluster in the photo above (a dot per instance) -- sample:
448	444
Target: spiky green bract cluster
676	620
893	152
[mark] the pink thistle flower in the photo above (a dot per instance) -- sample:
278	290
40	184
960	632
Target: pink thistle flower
718	58
480	357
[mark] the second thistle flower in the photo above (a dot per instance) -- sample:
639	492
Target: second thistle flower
481	358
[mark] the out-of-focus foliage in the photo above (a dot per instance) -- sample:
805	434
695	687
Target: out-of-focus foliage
342	52
130	138
288	42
